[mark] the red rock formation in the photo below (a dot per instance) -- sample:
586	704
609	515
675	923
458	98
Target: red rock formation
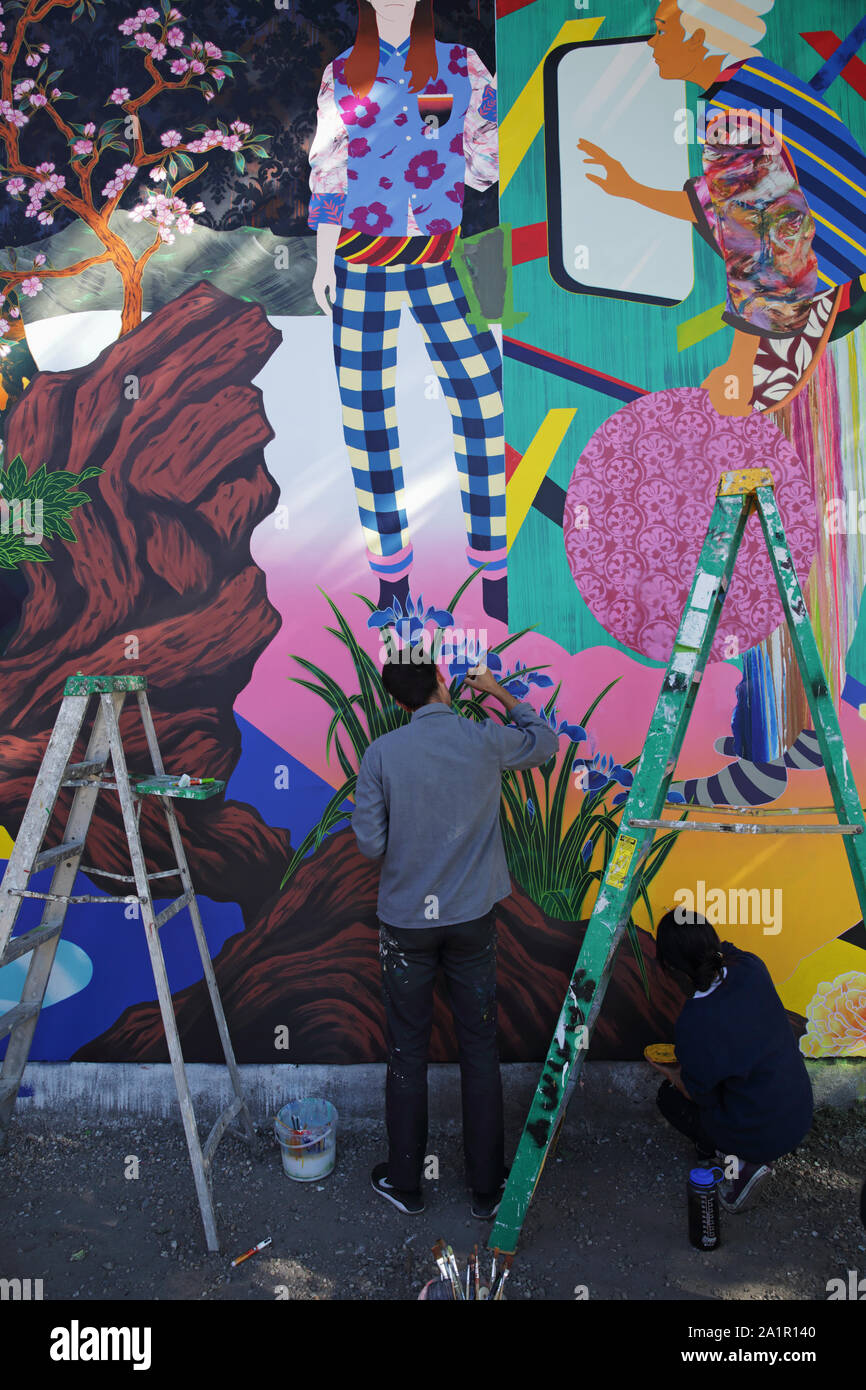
310	963
162	557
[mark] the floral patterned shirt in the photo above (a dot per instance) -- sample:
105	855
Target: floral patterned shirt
396	162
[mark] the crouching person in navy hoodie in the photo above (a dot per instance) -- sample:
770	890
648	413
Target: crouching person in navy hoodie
739	1087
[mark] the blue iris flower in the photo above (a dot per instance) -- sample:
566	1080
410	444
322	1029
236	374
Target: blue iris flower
602	770
518	682
409	624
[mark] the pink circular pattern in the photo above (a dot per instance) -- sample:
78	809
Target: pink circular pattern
637	509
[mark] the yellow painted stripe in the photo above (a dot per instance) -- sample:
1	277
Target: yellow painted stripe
825	964
818	218
777	82
532	469
6	843
520	125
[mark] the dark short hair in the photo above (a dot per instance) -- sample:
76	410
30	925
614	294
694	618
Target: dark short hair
410	676
689	945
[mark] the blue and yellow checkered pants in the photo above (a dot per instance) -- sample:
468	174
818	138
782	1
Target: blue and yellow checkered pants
469	366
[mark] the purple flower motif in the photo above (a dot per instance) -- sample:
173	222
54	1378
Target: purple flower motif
373	219
385	182
351	173
424	169
456	145
401	119
456	194
358	147
358	111
438	226
457	61
438	86
339	70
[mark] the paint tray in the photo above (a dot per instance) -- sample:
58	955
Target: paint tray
168	785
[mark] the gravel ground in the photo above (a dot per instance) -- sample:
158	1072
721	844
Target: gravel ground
609	1214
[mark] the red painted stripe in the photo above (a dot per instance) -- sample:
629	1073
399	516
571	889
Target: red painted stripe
512	459
825	43
528	243
581	367
504	7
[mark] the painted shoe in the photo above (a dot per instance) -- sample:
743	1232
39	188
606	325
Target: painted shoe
412	1203
736	1193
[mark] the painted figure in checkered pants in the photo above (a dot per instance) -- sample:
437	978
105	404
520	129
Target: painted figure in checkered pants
404	122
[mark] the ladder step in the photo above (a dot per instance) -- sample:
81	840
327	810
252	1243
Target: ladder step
13	1017
173	908
29	940
82	773
743	827
68	850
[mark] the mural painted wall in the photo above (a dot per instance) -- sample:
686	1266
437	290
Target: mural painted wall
264	409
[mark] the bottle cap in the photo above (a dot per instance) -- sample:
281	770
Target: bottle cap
703	1177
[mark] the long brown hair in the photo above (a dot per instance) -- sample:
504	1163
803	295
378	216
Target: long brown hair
362	63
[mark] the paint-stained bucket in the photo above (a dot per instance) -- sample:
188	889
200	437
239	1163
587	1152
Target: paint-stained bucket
307	1134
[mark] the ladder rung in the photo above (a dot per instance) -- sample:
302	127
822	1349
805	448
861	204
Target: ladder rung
13	1017
83	772
127	878
179	903
747	828
47	857
28	941
219	1129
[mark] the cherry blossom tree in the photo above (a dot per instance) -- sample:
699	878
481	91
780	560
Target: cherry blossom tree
173	59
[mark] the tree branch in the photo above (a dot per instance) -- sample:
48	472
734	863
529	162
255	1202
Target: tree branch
13	277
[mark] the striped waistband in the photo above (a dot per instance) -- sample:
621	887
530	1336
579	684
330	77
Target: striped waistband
362	249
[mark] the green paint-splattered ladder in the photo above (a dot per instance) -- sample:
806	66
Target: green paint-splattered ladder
28	857
739	494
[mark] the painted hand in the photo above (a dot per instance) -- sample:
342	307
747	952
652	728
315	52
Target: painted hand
617	182
325	279
730	387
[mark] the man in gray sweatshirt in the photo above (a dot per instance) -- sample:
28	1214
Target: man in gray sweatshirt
427	805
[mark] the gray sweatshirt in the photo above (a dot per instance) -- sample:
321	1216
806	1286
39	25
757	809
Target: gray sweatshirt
427	804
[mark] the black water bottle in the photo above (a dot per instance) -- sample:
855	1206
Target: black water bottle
703	1209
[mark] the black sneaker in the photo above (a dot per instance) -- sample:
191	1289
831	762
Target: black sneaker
736	1193
412	1203
485	1205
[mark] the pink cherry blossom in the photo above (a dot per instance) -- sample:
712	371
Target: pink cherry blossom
158	174
241	127
217	73
149	15
159	50
175	37
46	218
119	95
179	66
232	142
33	60
212	51
4	325
21	87
38	99
40	258
14	313
90	128
185	224
129	26
15	185
31	286
145	40
82	147
45	168
171	138
197	66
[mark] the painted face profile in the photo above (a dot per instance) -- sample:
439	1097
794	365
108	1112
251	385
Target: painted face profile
674	51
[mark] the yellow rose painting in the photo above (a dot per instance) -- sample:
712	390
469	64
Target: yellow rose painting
836	1018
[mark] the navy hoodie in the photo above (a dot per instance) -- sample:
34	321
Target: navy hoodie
741	1064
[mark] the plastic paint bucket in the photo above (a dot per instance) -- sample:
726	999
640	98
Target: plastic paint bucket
307	1134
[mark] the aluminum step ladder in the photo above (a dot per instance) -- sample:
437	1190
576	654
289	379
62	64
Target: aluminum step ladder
89	778
739	494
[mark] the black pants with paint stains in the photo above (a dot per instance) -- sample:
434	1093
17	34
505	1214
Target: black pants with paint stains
411	957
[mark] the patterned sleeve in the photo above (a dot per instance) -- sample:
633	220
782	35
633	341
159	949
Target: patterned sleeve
480	129
328	158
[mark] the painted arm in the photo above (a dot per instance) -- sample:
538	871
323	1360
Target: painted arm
619	184
328	185
480	144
